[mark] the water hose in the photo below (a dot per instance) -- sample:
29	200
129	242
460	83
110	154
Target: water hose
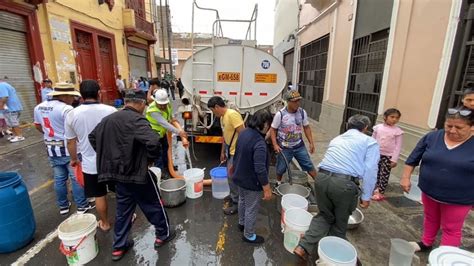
290	179
173	173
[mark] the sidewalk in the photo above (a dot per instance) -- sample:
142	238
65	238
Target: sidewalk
396	217
32	136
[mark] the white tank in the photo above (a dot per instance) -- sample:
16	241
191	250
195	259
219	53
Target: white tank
244	75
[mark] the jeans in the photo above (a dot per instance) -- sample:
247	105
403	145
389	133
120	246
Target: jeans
61	171
301	155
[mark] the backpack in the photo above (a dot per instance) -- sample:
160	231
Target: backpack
299	109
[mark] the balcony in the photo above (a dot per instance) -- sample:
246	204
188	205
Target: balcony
137	26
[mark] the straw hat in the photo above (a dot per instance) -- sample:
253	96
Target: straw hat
64	89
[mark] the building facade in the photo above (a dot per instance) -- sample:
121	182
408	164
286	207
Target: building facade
69	41
365	56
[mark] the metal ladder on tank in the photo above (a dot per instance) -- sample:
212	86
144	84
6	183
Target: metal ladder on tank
196	47
216	33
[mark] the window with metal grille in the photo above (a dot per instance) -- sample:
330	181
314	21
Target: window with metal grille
365	77
312	75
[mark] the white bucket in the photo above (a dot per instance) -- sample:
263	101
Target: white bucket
78	240
336	251
289	201
297	221
194	182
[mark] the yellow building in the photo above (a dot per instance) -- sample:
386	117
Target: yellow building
69	41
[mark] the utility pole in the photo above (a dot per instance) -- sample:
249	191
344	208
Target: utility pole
162	33
168	27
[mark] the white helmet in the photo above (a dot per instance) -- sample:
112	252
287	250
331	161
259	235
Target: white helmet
161	96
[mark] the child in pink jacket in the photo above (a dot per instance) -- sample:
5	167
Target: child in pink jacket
389	138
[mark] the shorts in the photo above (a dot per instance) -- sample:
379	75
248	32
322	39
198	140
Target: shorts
301	155
92	188
13	118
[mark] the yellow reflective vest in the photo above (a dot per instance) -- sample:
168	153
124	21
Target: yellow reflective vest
154	124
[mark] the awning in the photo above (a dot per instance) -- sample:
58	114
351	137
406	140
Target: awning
161	60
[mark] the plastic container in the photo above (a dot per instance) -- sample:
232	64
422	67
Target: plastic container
289	201
194	182
220	185
17	222
450	256
78	241
401	253
118	103
336	251
297	222
415	192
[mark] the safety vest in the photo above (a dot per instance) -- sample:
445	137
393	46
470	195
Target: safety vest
154	124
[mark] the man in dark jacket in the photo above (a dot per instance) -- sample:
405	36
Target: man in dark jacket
125	146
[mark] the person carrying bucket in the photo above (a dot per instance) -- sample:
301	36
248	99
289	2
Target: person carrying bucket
250	173
160	116
349	158
126	146
232	124
79	123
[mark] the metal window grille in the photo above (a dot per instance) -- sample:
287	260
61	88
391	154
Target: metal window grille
365	78
312	75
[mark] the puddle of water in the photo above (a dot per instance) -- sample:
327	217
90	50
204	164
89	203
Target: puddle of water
145	253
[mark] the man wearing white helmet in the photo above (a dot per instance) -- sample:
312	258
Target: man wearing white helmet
160	116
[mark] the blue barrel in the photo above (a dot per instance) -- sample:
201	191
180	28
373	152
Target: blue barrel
17	222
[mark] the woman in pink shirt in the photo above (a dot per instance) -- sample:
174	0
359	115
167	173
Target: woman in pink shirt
389	138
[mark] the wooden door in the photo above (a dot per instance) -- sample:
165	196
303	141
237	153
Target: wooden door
107	80
85	55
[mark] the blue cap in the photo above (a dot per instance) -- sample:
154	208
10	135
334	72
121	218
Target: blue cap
219	172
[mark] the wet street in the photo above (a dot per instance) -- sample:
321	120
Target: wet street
205	236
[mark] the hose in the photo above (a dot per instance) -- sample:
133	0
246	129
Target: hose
173	173
290	179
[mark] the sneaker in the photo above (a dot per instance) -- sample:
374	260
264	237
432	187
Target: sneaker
82	210
118	254
10	137
65	210
232	209
258	240
159	243
17	139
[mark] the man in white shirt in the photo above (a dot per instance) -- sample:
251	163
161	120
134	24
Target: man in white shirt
120	85
48	88
79	123
49	118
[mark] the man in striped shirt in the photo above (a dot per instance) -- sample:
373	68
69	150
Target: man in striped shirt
49	118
